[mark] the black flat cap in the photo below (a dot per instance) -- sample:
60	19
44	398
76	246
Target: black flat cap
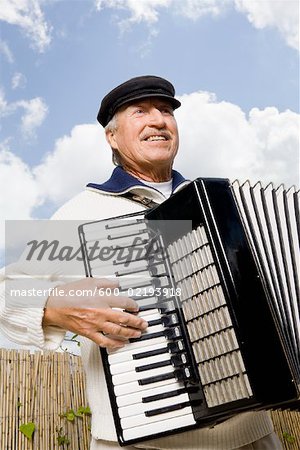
134	89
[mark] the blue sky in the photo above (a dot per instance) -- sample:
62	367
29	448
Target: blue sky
234	63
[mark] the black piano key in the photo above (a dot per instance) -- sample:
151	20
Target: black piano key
113	225
167	307
169	333
176	347
155	398
151	323
146	337
169	320
137	270
173	333
158	351
174	393
183	374
178	360
155	271
164	308
155	365
145	307
150	380
165	409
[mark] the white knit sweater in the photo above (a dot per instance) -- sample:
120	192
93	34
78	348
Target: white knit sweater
23	325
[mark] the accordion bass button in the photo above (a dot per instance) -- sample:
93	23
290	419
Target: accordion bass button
173	333
183	374
176	347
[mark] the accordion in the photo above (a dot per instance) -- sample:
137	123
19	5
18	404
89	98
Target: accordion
214	270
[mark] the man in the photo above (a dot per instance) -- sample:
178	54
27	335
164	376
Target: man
141	129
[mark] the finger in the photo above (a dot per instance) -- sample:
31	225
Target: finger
106	283
122	302
107	341
128	320
117	330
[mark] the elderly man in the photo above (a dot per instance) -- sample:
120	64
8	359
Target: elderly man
141	129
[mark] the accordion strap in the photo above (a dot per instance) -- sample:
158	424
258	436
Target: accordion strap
140	199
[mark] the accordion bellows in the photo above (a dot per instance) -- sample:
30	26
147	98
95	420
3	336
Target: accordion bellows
221	297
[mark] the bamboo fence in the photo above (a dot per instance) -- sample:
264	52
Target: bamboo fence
42	387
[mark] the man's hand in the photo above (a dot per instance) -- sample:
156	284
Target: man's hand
91	315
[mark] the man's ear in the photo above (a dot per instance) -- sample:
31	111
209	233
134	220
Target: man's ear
110	137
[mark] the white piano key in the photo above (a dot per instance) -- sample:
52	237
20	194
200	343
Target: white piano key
128	377
159	427
137	397
131	365
136	409
154	316
139	345
134	282
144	301
133	266
148	312
141	419
154	329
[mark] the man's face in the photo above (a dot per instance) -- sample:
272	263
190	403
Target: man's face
146	135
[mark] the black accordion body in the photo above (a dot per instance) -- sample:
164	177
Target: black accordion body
222	301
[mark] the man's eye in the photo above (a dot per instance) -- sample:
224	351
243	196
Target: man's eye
167	111
138	111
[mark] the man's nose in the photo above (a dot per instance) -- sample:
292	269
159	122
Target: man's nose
157	118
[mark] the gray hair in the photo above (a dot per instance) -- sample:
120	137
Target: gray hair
112	126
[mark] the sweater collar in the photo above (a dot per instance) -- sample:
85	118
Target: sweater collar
121	182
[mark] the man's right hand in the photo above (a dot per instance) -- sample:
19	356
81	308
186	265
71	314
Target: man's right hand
91	315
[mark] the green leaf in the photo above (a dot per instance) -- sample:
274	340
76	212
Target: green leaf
69	415
63	440
83	410
27	429
289	437
19	404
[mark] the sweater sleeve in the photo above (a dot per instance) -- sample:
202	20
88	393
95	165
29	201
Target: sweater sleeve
21	313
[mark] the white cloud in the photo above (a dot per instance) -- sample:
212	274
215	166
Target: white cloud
194	9
76	159
140	11
281	14
145	10
35	112
20	192
27	14
6	51
219	140
4	109
18	80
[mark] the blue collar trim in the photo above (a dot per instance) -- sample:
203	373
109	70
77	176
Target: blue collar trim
121	181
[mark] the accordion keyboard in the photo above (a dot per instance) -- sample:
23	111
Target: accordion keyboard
148	376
